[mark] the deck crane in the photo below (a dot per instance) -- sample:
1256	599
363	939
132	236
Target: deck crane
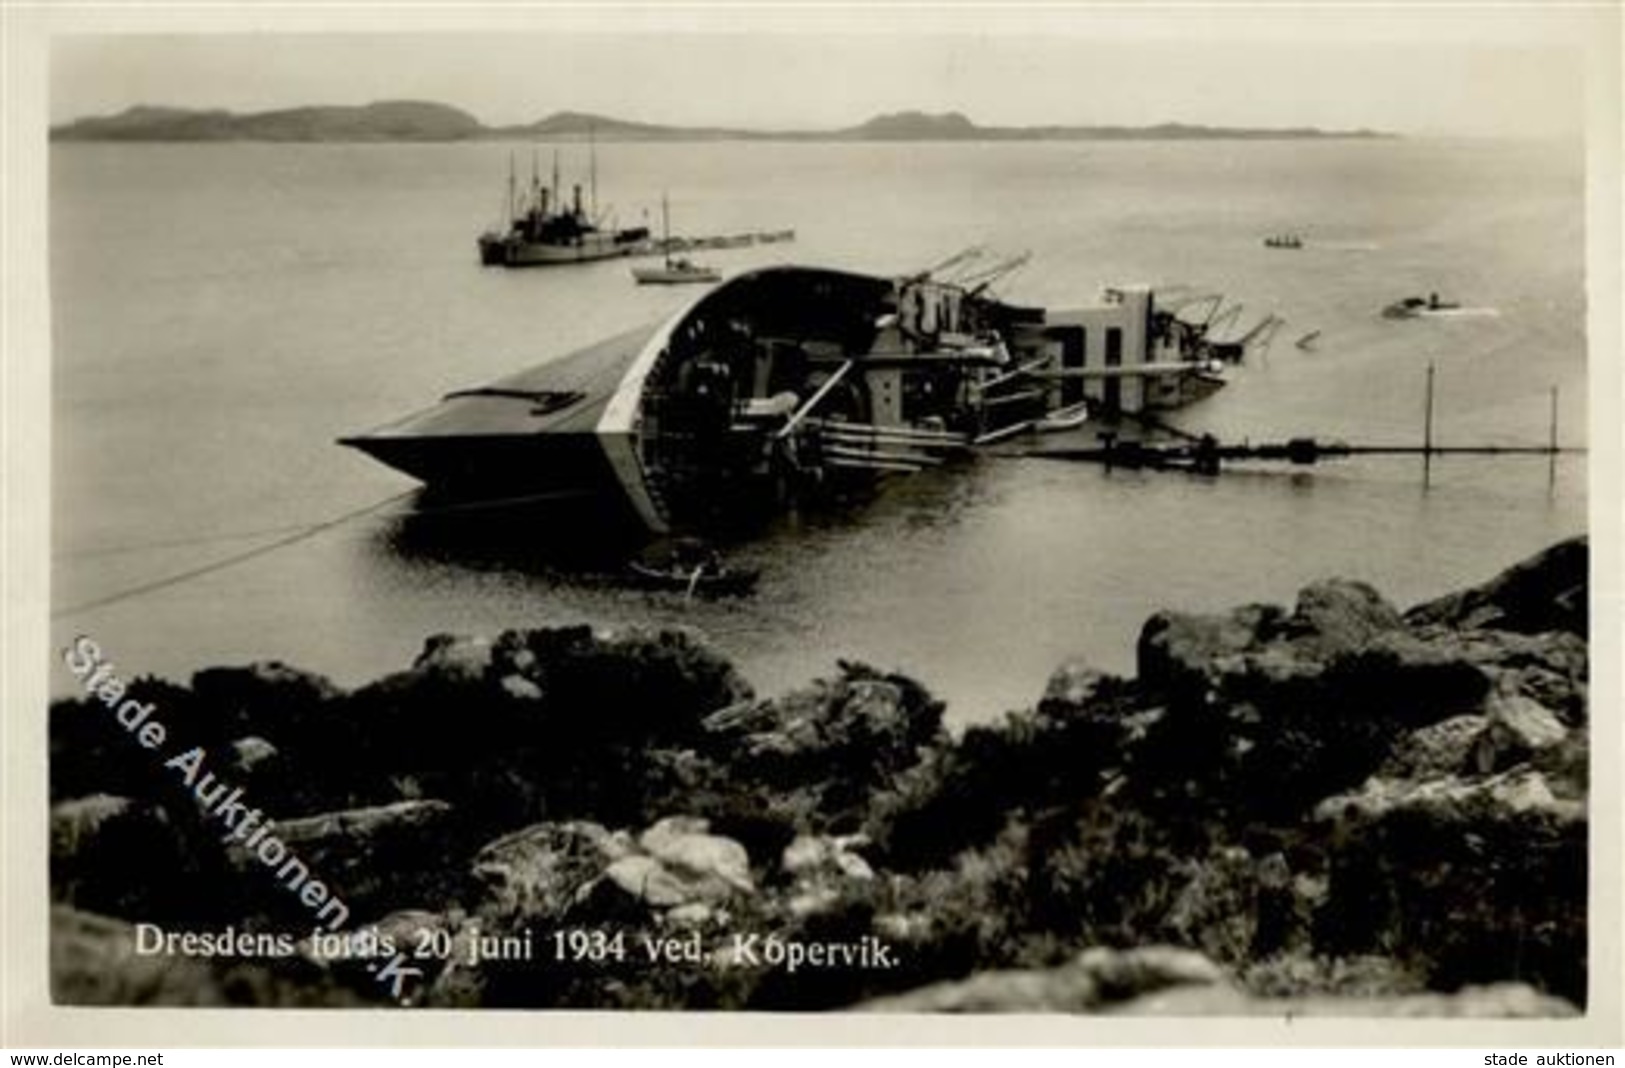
978	281
962	256
1229	316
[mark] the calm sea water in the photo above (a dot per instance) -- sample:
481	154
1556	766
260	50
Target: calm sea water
222	313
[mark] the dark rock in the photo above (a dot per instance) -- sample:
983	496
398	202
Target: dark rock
1178	653
454	658
91	753
380	859
1546	592
1549	667
634	684
679	863
521	688
822	868
1339	616
1130	973
1074	686
1408	681
836	742
267	698
431	941
459	984
818	856
1516	731
1449	747
536	874
1235	907
1095	978
118	856
647	880
685	845
1453	801
552	724
1466	881
250	755
882	717
1298	974
78	826
409	928
94	962
1566	766
1494	1002
1053	990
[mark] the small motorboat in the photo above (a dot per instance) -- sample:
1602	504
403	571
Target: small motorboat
1283	241
673	271
676	272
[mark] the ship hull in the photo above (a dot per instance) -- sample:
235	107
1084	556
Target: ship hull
497	466
518	252
551	434
660	276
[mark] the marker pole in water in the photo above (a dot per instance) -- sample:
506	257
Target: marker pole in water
1427	429
1551	441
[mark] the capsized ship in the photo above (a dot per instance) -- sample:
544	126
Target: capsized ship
791	378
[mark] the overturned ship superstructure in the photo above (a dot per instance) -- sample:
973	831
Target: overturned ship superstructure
792	378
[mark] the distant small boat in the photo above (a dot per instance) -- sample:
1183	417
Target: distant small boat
1307	341
1283	241
1416	307
673	271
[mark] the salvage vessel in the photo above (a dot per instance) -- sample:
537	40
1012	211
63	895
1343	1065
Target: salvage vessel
543	230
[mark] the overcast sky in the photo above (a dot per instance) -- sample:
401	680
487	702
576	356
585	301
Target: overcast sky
1455	70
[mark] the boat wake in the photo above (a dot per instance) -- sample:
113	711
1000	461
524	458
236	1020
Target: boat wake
1459	313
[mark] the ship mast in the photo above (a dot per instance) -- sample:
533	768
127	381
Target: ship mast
534	205
592	171
555	195
665	229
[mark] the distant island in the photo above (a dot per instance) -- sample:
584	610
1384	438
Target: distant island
424	121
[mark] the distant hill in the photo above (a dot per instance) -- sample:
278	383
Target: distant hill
914	126
580	125
388	120
413	120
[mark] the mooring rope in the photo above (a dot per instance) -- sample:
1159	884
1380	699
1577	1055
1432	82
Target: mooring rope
229	561
295	535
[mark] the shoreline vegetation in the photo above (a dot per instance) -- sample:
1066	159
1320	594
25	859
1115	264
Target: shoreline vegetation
1336	808
424	121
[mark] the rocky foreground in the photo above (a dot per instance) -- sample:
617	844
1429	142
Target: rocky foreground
1337	809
